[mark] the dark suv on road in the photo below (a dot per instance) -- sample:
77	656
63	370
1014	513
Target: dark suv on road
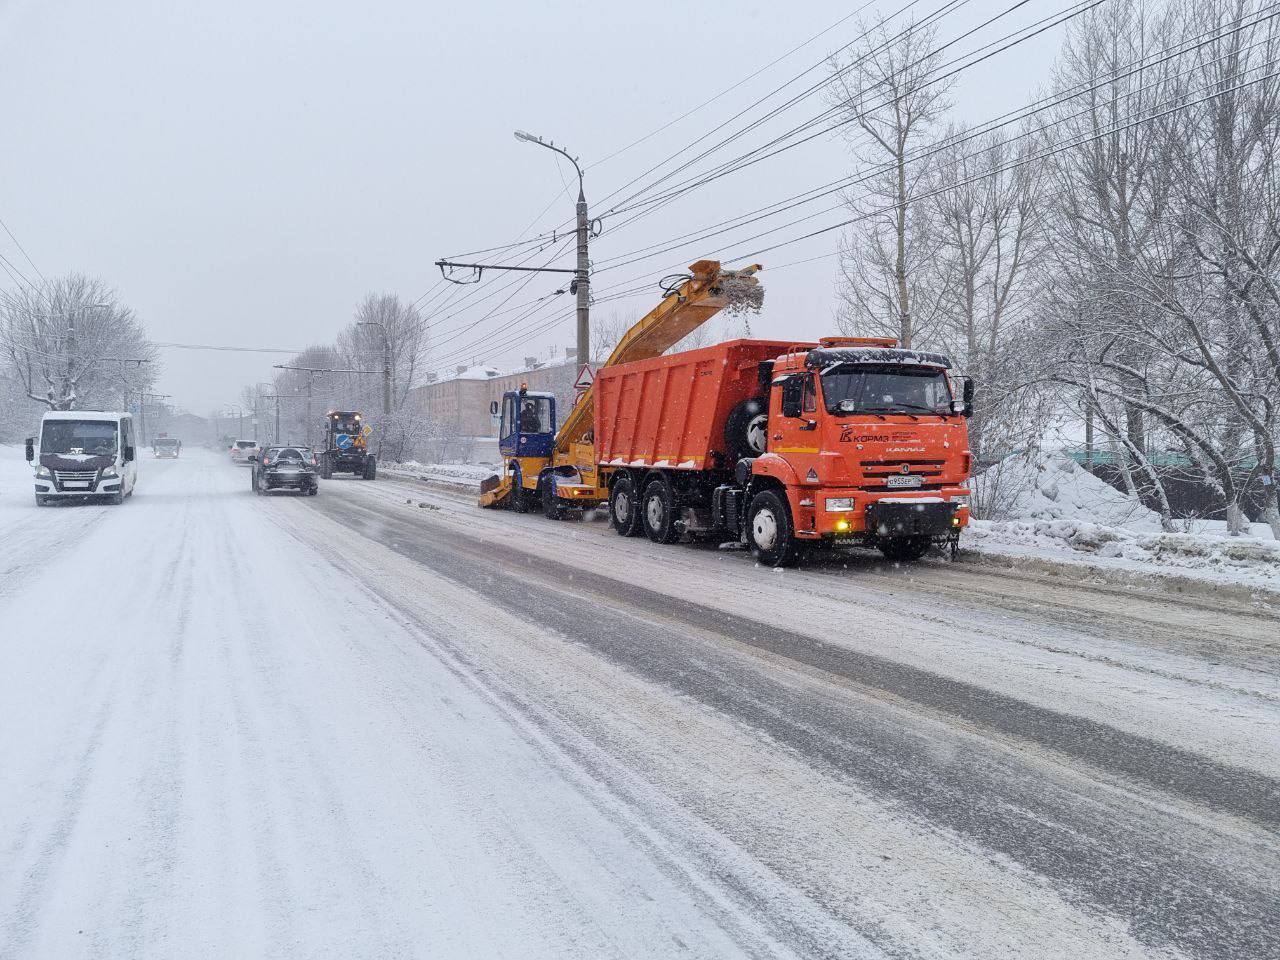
285	468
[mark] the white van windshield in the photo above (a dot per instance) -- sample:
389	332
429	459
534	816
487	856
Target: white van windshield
90	437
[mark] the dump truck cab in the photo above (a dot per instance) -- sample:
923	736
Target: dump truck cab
867	441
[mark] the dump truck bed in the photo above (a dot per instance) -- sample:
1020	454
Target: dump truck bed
670	411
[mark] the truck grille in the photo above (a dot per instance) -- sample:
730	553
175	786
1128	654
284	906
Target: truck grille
75	476
889	468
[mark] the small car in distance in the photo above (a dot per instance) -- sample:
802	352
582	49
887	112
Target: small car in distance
242	450
166	448
285	468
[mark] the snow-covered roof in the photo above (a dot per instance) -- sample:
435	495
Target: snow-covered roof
83	415
478	373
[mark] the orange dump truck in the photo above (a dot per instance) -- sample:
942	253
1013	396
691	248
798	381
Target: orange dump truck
783	444
774	443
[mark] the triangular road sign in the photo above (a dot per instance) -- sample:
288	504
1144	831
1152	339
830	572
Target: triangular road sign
586	377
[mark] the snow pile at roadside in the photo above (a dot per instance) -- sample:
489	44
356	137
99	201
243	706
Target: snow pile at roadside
1055	487
1053	509
459	474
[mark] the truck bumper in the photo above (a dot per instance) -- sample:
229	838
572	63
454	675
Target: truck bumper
934	513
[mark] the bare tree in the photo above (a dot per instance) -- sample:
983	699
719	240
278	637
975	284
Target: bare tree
889	97
362	346
70	343
988	223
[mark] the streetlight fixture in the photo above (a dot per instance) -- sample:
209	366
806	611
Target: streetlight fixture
386	364
582	278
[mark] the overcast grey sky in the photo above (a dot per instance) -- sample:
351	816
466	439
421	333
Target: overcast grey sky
244	171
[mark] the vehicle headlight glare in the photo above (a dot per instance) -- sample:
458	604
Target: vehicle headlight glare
43	473
840	504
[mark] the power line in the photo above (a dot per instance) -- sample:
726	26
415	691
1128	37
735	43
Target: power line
1019	163
24	251
228	349
982	130
974	57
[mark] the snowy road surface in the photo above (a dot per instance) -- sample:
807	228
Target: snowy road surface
381	723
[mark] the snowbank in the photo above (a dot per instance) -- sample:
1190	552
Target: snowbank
1052	508
466	475
1055	487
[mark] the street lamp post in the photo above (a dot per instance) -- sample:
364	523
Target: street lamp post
386	365
582	278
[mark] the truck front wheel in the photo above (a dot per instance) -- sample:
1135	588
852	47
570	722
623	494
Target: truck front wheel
624	511
552	509
660	512
326	467
769	530
370	468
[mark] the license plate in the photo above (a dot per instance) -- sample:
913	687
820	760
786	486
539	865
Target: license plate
901	481
76	484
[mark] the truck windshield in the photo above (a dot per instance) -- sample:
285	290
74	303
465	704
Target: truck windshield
871	389
90	437
535	415
345	425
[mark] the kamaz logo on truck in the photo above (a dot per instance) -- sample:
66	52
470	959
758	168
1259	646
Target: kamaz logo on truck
847	436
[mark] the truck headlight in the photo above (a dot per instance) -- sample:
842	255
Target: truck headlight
43	473
960	499
108	473
839	504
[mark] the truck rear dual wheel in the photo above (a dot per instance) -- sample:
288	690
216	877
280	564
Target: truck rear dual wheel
624	508
770	532
660	512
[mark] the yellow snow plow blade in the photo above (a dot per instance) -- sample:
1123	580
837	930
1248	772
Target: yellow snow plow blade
494	491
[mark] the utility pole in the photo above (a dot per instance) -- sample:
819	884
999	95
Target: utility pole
142	412
582	281
581	284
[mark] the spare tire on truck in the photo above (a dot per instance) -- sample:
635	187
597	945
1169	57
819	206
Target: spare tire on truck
746	430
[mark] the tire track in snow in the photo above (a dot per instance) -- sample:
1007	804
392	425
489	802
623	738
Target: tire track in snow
1107	845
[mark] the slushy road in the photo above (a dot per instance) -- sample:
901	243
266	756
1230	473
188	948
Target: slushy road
380	723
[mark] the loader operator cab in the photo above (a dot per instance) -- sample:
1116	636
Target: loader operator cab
527	424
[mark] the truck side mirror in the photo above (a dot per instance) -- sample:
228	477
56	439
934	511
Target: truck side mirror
493	408
792	393
31	449
129	454
964	404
